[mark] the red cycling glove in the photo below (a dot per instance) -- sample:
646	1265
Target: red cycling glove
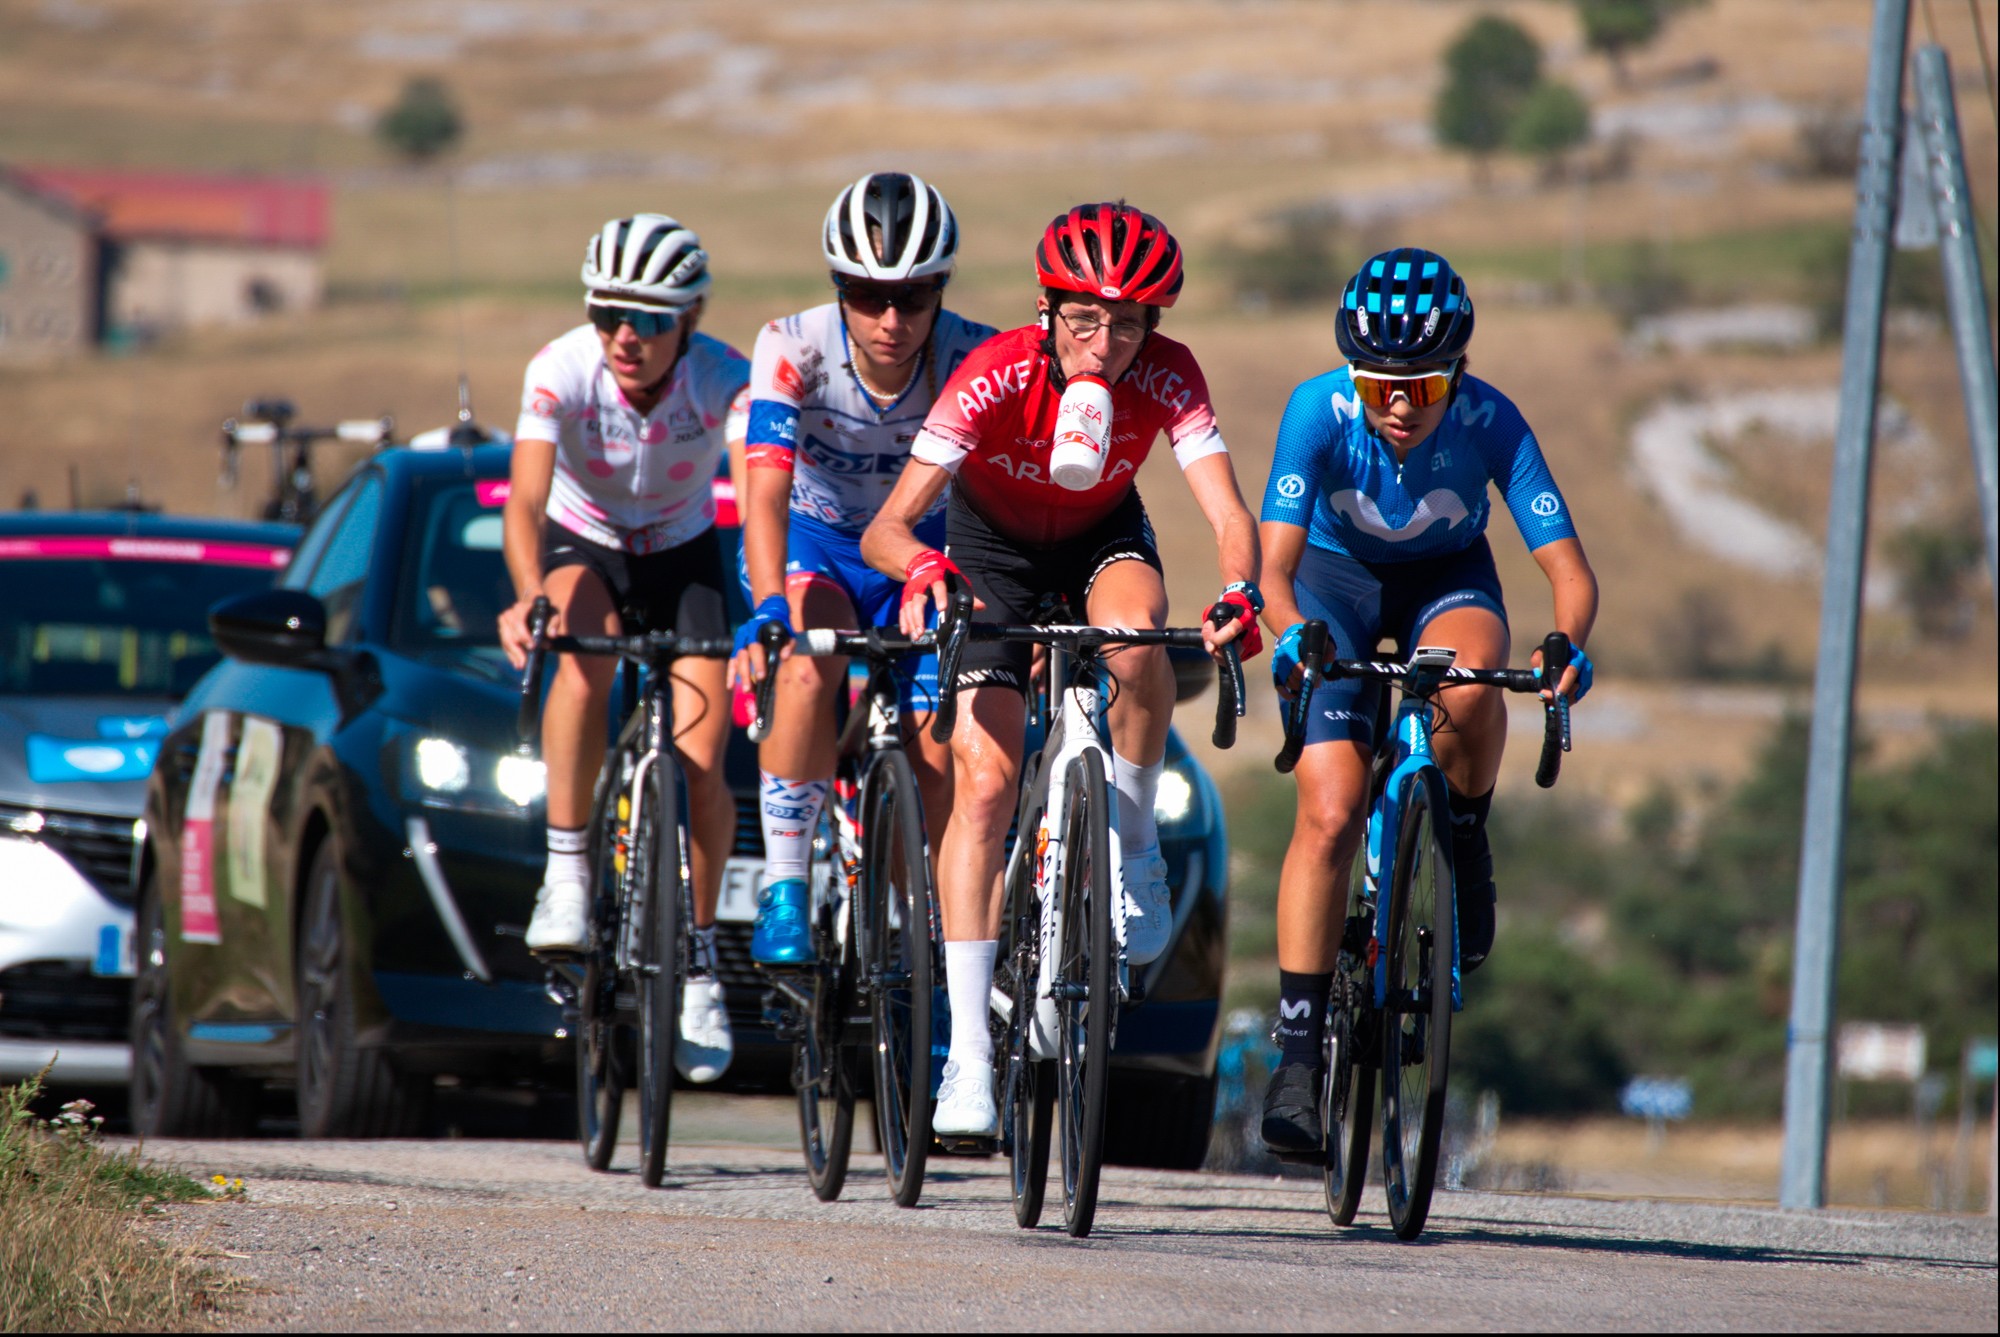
926	569
1251	643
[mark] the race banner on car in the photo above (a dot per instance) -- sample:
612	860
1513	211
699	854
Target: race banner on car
249	800
199	922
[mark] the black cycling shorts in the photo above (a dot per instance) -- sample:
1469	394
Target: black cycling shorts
1017	582
676	589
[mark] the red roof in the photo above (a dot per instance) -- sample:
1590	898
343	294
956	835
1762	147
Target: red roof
266	211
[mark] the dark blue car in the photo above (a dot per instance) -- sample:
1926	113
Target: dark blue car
344	845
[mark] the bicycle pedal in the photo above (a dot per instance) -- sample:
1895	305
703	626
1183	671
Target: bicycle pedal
968	1146
1315	1159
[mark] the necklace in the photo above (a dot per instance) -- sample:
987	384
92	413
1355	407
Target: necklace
881	397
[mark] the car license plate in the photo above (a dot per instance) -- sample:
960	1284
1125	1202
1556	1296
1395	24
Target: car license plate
738	902
116	953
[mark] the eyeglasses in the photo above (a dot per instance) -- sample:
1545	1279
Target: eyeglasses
646	322
1378	389
874	300
1085	327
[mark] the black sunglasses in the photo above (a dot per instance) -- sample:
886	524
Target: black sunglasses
645	322
873	300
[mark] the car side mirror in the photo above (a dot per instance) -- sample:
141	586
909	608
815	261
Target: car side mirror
1193	671
282	628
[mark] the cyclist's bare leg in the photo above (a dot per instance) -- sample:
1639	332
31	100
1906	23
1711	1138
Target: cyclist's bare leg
986	773
1469	747
575	714
1312	887
930	762
801	742
701	720
1130	593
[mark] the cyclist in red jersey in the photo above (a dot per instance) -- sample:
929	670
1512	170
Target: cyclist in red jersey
1017	538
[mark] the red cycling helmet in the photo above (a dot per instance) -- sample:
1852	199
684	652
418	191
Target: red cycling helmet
1111	251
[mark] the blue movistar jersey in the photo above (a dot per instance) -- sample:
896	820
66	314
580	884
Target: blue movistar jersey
1332	475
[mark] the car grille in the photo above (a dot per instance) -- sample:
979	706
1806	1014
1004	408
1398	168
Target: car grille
100	847
57	1000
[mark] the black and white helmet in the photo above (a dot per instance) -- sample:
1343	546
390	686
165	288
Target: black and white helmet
917	237
648	258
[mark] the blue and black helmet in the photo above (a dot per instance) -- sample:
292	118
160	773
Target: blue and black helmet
1403	308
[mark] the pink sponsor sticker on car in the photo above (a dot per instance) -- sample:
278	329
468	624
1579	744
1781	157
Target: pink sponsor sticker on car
194	551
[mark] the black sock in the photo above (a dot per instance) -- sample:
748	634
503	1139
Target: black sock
1472	867
1301	1028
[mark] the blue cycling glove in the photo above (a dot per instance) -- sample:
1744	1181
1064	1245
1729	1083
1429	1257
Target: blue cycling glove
1579	661
774	609
1285	655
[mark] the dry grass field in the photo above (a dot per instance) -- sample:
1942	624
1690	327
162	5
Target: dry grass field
744	118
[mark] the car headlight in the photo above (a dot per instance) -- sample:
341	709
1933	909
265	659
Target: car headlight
442	774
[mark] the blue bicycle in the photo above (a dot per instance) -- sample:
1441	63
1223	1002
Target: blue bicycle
1396	982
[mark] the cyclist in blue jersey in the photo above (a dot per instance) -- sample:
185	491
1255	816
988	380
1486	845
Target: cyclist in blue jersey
1374	521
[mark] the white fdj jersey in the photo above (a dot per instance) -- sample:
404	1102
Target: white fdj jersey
809	414
625	479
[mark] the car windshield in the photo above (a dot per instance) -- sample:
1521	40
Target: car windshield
455	583
90	616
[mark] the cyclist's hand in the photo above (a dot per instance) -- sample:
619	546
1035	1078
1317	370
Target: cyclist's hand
747	666
928	574
515	638
1576	682
1240	625
1285	660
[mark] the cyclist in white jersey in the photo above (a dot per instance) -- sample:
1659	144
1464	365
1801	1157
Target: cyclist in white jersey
611	516
838	393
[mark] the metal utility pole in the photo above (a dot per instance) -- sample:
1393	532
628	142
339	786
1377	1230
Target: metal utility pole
1964	283
1802	1178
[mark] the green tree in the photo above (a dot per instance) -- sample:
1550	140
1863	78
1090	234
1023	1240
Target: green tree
1618	27
424	121
1490	69
1552	120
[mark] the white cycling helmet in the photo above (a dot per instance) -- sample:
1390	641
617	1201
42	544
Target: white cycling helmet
918	237
650	258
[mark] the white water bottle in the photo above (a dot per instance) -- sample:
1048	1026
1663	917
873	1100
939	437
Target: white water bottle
1083	433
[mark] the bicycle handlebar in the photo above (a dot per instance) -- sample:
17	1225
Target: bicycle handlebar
958	627
1317	667
531	678
1229	684
649	648
772	636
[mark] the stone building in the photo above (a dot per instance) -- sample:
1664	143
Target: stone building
164	251
49	274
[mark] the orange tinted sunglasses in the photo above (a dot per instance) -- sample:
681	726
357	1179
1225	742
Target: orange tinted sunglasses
1378	389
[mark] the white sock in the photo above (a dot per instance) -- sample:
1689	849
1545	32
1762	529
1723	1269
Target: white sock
1137	787
790	810
703	965
569	857
968	979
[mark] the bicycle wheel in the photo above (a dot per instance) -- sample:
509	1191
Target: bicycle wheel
659	963
602	1040
1350	1102
896	876
1416	1017
820	1058
1029	1089
1086	989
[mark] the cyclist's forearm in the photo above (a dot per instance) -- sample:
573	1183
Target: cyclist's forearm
1282	545
766	526
1573	587
1213	483
890	542
532	471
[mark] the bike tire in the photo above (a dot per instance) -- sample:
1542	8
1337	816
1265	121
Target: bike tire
1086	989
821	1071
661	960
1416	1021
1349	1110
601	1067
902	971
1029	1087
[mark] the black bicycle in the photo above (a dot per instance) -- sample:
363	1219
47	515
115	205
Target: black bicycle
1061	975
1396	979
621	997
876	932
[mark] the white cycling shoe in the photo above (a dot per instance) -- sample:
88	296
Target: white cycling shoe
705	1046
965	1105
1149	908
561	922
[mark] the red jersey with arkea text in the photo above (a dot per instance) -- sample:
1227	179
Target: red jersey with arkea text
993	422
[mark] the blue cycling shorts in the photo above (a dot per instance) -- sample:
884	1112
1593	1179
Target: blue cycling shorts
817	553
1362	602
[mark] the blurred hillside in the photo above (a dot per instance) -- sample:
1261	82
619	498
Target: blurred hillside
1282	140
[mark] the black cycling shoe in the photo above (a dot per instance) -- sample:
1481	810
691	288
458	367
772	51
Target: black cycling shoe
1291	1108
1472	868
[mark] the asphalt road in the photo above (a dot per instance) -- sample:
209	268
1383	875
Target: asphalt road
499	1235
